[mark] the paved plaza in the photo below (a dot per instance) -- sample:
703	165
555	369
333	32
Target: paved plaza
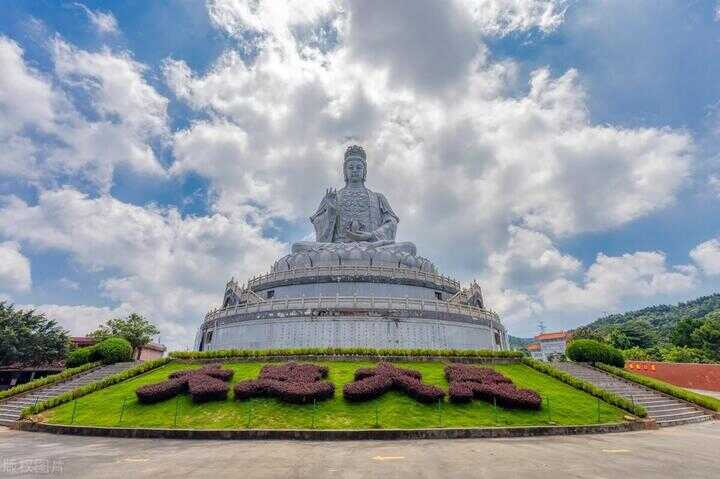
685	451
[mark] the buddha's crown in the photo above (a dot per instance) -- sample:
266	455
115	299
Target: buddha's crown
355	151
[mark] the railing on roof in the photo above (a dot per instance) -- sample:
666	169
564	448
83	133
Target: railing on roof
353	302
354	270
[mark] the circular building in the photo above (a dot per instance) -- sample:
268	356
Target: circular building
355	286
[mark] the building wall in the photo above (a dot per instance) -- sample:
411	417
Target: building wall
353	331
361	289
147	354
688	375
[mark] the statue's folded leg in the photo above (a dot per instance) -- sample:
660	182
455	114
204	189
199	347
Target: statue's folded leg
405	247
303	246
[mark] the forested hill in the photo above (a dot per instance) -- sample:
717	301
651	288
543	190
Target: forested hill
662	318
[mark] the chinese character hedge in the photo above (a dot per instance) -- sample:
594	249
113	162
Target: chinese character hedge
205	384
468	382
373	382
290	382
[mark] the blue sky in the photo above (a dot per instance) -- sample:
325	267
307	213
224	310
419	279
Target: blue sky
564	153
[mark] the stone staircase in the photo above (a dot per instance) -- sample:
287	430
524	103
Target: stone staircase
11	408
664	409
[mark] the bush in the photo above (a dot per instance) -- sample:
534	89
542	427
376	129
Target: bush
373	382
96	386
468	382
78	357
203	384
681	393
114	350
290	382
607	396
590	351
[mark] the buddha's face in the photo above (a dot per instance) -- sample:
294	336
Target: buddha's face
355	171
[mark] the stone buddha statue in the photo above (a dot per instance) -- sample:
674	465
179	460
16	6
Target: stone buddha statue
354	214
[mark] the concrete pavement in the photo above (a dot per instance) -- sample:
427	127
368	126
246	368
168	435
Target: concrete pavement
691	451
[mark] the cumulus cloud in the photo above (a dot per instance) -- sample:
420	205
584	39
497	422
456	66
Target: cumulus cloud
157	262
79	319
707	256
47	137
612	279
471	150
14	268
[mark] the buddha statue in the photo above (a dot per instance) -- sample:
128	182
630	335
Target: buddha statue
354	214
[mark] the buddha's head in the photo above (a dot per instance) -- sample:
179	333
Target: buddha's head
355	165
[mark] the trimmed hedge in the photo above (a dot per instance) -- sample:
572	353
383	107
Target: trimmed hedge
290	382
591	351
78	357
261	353
96	386
203	384
44	381
114	350
607	396
468	382
374	382
678	392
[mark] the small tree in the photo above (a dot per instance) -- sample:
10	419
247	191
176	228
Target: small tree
26	336
137	330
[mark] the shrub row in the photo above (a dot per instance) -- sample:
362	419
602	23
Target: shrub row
591	351
678	392
261	353
468	382
44	381
111	350
373	382
607	396
290	382
204	384
96	386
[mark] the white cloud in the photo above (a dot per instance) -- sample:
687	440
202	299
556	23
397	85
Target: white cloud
79	320
14	268
104	22
45	136
707	256
460	148
612	279
156	262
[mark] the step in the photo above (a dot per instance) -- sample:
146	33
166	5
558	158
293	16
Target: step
680	422
681	415
9	417
667	409
4	422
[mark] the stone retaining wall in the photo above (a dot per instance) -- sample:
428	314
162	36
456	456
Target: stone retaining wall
335	435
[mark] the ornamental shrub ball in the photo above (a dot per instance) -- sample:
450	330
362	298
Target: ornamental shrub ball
374	382
208	383
470	382
290	382
114	350
78	357
590	351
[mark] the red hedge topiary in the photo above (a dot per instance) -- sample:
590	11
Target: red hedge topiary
204	384
290	382
374	382
468	382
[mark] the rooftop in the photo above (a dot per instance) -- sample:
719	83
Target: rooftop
552	336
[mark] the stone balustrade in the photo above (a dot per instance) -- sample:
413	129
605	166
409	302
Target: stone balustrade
353	303
353	270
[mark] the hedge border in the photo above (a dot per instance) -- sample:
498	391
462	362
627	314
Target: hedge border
607	396
47	380
92	387
299	352
701	400
336	434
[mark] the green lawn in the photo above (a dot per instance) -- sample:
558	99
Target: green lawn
394	410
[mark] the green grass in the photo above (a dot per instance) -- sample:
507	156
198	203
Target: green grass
395	410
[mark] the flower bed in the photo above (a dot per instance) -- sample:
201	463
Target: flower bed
374	382
204	384
290	382
470	382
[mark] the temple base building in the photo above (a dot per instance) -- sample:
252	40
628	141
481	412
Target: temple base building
354	287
